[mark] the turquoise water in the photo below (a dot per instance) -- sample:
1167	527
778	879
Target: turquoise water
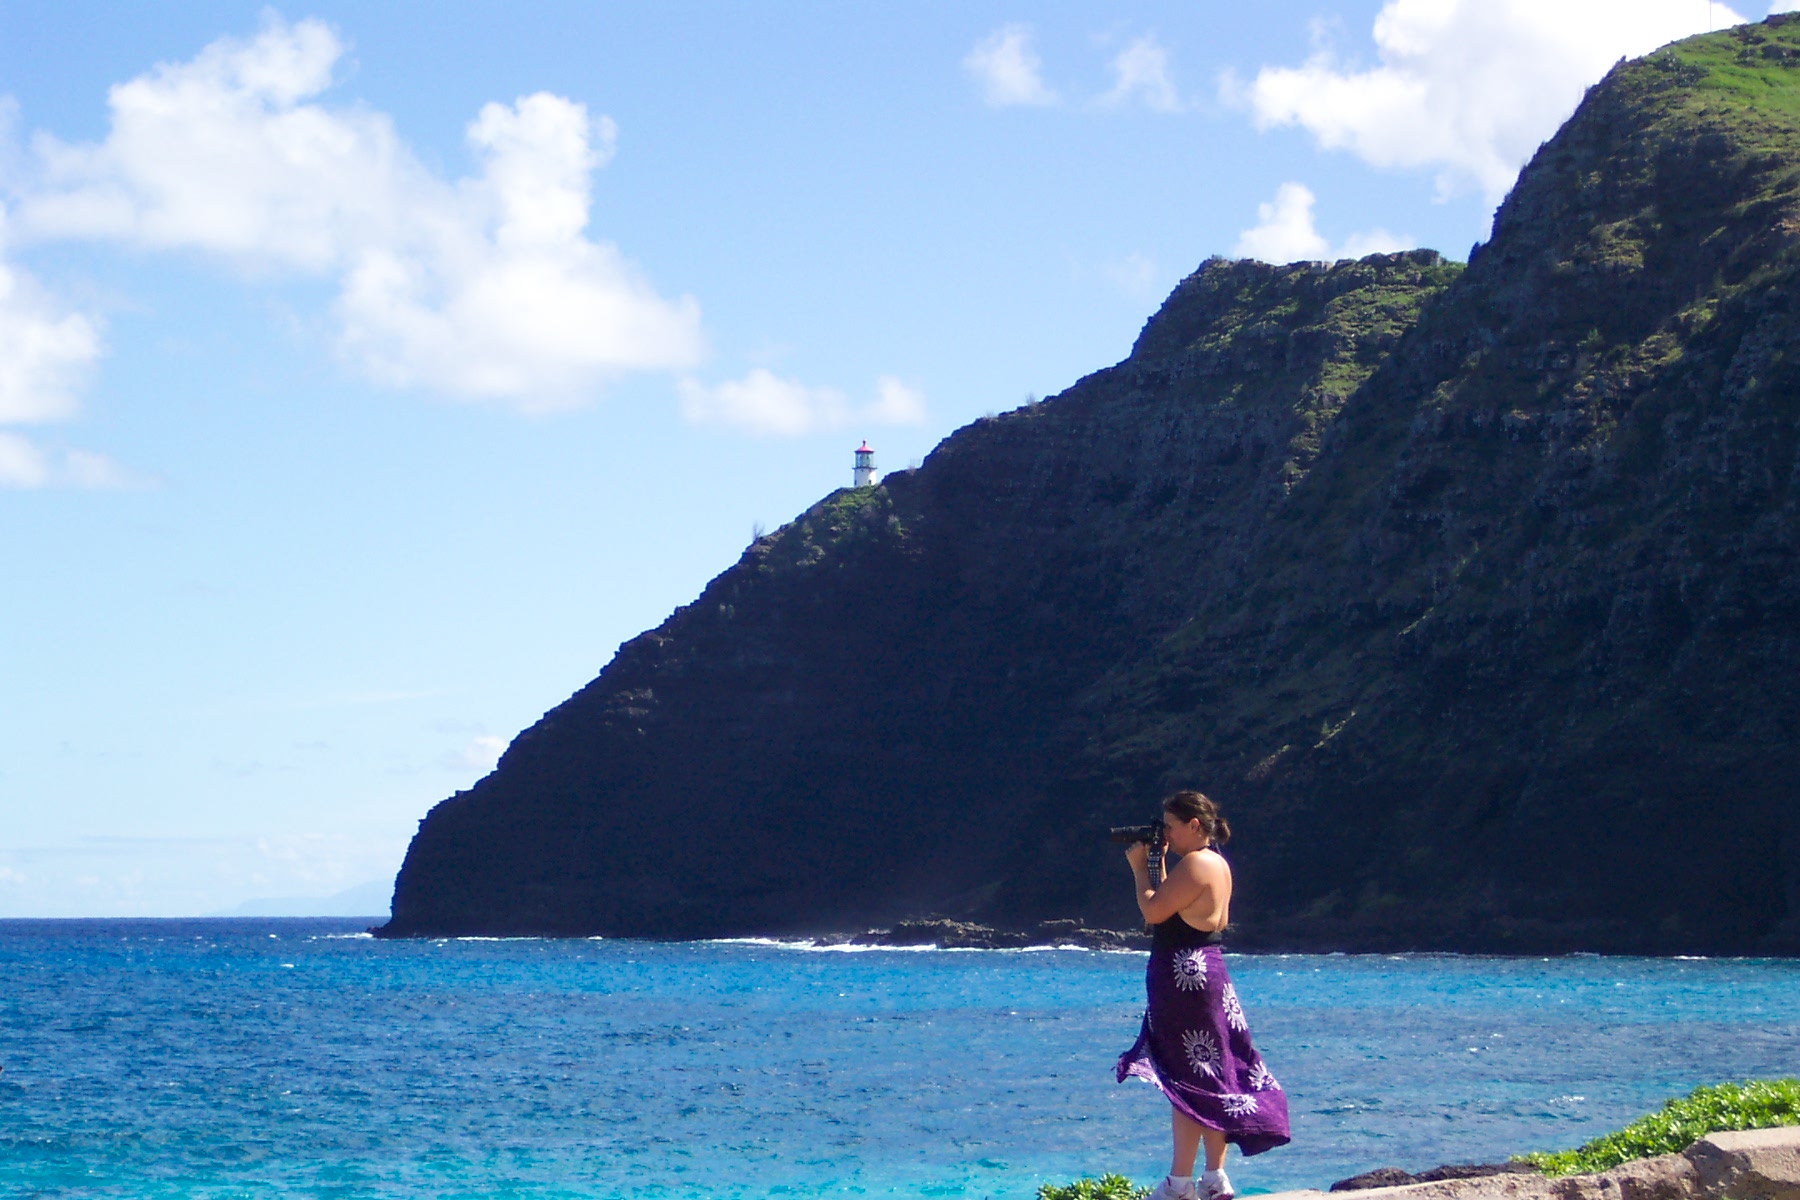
255	1058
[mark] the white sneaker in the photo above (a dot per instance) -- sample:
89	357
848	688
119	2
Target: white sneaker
1215	1185
1172	1188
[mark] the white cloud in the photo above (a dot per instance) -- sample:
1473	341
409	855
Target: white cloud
1781	6
481	753
764	403
1375	241
1007	68
485	288
1141	70
217	154
1135	275
45	351
1470	87
22	464
1285	233
86	469
896	404
26	464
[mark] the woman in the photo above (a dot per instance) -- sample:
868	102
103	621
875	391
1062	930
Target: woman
1195	1044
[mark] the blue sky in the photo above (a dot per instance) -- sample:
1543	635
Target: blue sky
368	373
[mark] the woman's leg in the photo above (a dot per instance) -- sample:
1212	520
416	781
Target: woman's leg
1189	1133
1187	1143
1215	1149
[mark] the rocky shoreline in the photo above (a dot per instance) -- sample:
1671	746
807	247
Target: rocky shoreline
1393	1177
1754	1164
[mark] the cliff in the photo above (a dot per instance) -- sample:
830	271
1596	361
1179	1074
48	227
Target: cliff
1471	593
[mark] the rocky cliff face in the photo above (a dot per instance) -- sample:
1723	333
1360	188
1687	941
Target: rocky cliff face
1472	594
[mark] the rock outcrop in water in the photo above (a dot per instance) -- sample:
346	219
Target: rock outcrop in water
1473	594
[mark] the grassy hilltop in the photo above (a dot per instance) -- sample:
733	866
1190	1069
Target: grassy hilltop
1473	593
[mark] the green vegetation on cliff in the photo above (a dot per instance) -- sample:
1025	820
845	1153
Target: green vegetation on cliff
1679	1123
1471	593
828	530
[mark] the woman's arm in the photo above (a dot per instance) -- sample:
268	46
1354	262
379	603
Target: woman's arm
1180	887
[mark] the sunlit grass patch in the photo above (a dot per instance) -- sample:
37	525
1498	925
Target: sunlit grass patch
1107	1187
1756	1104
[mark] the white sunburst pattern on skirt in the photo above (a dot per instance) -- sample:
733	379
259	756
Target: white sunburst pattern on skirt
1261	1080
1202	1051
1190	969
1238	1104
1234	1012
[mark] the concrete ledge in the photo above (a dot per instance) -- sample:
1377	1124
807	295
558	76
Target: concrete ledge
1755	1164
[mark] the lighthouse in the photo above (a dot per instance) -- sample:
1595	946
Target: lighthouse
865	467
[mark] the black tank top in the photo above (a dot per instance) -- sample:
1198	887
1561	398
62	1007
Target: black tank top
1177	934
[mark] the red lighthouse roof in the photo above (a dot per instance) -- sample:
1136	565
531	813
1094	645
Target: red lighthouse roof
864	448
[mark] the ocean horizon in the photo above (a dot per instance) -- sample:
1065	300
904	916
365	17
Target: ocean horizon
297	1057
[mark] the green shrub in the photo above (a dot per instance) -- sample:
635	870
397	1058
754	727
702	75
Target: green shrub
1107	1187
1757	1104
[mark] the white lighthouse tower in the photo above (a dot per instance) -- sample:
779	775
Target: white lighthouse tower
865	467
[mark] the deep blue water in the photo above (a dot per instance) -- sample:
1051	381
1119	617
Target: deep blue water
252	1058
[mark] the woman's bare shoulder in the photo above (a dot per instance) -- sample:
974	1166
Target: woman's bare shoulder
1198	864
1209	863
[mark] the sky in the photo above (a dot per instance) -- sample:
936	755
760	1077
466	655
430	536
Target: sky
369	373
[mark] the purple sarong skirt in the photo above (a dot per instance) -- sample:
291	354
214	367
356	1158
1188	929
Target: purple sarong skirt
1195	1044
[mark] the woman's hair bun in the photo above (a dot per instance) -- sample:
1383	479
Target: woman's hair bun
1194	806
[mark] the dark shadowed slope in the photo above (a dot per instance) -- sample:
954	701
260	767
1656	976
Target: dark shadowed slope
1471	593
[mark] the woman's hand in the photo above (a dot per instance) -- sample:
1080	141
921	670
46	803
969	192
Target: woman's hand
1138	855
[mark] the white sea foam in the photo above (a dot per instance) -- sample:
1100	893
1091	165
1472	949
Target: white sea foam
811	945
808	944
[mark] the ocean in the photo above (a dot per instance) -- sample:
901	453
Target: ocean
277	1058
